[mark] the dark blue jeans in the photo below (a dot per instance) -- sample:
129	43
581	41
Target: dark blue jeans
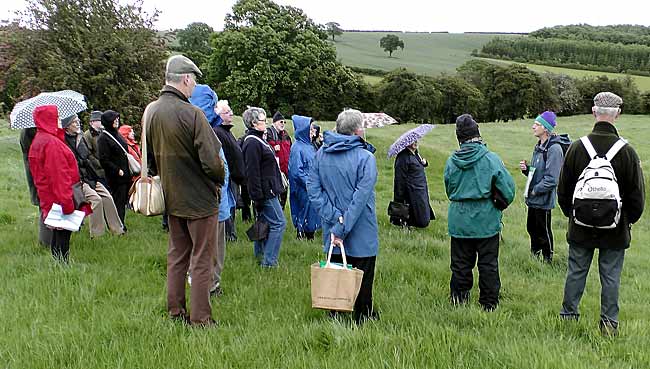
269	249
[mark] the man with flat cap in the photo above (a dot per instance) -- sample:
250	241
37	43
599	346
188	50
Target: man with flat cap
583	239
184	151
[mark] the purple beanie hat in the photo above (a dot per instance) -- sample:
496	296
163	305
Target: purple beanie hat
547	119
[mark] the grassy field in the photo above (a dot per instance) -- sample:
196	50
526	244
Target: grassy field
436	53
107	308
642	82
423	53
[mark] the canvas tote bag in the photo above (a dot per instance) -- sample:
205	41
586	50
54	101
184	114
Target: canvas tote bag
334	287
146	193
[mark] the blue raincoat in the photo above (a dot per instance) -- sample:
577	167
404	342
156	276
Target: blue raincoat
205	98
341	186
303	214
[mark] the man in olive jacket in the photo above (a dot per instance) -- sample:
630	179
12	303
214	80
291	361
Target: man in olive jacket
611	242
185	152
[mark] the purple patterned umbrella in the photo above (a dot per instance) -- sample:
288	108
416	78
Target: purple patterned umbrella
408	138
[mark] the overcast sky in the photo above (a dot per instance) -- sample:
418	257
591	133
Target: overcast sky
413	15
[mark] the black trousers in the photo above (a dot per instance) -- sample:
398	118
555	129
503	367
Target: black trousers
538	225
60	244
120	193
230	227
464	253
245	204
363	306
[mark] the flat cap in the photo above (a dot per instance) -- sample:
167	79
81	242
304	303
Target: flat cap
179	64
607	100
96	115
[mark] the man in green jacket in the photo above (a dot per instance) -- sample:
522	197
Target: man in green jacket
474	177
610	242
185	152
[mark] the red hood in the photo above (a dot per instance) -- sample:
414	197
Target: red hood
124	132
47	118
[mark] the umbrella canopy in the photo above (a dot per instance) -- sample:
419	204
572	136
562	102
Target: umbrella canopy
408	138
67	101
376	120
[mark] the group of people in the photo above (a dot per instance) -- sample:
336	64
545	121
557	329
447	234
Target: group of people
63	163
206	174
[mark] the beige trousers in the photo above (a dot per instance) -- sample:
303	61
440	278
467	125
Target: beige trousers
104	211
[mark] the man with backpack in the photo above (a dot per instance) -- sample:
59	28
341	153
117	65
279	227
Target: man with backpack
543	173
601	190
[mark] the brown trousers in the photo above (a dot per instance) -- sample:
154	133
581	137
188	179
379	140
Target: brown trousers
191	240
104	211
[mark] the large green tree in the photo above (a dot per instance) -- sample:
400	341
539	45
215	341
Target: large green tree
101	48
390	43
408	97
285	65
194	41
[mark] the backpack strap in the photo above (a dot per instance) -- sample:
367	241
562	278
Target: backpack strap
589	147
618	145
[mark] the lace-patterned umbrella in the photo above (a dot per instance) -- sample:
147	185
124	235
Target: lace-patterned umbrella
67	101
407	138
376	120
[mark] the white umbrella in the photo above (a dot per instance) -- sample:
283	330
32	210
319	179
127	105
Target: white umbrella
68	103
376	120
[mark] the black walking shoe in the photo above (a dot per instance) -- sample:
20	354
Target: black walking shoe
608	328
216	291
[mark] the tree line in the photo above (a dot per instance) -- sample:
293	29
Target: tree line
576	54
623	34
111	53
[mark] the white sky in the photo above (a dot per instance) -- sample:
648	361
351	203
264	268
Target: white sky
413	15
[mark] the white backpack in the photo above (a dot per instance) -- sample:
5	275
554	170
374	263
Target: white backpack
596	199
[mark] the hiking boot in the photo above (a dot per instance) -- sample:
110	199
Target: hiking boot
181	318
608	328
216	291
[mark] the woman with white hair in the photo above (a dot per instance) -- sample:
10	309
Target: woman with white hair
264	185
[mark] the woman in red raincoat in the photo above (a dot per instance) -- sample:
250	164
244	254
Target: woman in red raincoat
54	169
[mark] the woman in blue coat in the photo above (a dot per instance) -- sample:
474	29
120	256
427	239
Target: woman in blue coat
303	214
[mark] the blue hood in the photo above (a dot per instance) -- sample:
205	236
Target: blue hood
333	142
205	98
301	126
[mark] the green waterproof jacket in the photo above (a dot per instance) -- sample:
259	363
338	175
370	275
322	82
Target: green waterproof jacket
472	174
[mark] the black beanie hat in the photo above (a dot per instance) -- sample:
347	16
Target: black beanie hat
108	117
466	128
277	116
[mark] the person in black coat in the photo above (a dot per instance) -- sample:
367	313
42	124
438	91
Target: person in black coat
234	157
264	185
112	156
410	187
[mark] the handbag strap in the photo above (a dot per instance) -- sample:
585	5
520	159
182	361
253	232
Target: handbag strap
116	141
144	168
277	160
329	254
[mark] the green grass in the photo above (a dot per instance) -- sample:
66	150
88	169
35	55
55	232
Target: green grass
423	53
107	309
642	82
436	53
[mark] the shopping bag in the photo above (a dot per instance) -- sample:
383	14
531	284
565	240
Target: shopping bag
334	287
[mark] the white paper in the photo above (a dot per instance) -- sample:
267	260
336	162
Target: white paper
531	171
71	222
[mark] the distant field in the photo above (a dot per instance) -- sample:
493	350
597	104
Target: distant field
435	53
642	82
423	53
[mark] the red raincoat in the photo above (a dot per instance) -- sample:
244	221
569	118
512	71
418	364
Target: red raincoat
52	163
